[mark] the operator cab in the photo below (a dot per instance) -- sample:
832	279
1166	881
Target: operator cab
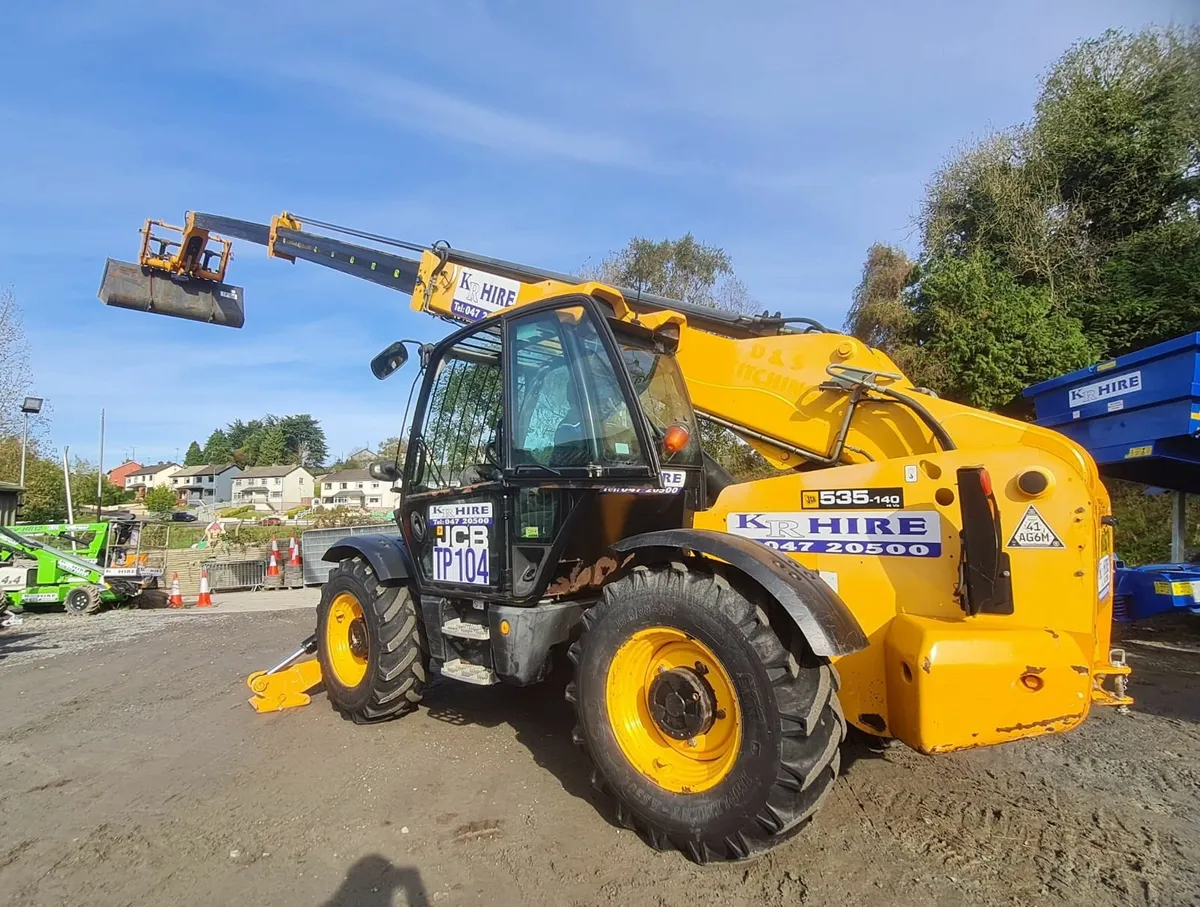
542	436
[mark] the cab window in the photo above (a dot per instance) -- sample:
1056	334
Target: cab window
460	429
568	408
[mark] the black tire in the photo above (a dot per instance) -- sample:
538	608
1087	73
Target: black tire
397	663
83	600
792	723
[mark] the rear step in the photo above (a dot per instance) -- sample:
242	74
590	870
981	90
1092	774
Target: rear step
469	673
465	629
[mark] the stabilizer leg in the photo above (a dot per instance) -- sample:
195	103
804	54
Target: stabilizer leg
287	685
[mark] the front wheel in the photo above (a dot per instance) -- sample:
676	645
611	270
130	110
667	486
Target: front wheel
369	645
83	600
712	737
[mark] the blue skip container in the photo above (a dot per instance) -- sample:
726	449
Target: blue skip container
1138	415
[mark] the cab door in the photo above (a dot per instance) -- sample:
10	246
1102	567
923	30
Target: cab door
452	511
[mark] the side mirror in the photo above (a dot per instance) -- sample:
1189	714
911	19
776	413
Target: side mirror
384	470
389	360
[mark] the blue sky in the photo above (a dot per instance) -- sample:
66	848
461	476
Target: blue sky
792	134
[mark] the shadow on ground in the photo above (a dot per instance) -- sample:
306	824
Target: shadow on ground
1164	653
13	641
373	881
539	714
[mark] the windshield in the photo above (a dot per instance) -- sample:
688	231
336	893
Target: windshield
658	383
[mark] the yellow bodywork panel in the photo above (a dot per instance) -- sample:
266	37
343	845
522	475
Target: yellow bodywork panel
285	689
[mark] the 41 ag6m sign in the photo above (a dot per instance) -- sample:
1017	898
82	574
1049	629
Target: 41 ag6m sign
904	533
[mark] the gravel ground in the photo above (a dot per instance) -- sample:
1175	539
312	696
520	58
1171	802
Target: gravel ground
134	774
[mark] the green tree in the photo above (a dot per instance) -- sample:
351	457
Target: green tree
982	336
194	455
15	374
45	494
880	314
1118	122
684	269
1086	221
83	493
217	449
161	499
391	448
304	439
272	447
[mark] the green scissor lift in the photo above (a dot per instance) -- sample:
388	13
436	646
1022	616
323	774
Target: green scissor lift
108	565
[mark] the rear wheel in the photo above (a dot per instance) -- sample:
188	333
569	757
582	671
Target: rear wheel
83	600
712	737
368	644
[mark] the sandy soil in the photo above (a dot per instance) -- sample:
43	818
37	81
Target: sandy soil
133	773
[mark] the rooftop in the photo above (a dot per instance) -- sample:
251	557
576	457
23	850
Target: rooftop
203	470
269	472
348	475
152	469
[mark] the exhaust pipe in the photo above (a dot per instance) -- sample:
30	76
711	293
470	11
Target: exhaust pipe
130	286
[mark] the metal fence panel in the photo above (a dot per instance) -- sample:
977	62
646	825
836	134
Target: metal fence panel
315	542
224	576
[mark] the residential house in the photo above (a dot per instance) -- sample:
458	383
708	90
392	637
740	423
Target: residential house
363	455
356	489
208	484
273	488
121	473
147	477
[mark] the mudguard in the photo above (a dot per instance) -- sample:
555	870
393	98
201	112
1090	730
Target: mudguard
386	554
818	612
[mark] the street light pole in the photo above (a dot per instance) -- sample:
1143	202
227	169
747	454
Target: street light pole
24	443
100	471
31	405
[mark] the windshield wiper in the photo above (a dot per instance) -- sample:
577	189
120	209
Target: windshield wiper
538	468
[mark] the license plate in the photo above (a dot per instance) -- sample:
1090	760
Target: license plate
461	543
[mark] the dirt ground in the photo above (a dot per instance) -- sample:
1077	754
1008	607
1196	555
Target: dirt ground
133	773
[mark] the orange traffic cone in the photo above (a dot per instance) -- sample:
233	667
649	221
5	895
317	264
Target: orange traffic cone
275	547
176	599
205	599
294	559
273	566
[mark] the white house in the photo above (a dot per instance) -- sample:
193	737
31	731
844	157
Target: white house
355	488
207	484
273	488
142	480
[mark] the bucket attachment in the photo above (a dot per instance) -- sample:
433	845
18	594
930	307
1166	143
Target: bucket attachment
130	286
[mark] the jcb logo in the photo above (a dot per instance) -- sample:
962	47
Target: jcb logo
462	536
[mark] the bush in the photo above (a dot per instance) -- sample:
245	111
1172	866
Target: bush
341	516
1143	533
246	510
161	499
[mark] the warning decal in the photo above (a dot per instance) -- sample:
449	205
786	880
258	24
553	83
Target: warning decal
1034	532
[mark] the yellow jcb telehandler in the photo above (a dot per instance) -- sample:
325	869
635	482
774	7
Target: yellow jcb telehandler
917	568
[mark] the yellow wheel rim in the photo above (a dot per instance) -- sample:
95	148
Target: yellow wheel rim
346	640
684	766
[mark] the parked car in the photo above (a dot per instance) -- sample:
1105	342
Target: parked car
271	521
182	516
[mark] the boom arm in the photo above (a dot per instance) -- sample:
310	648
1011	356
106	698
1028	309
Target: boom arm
799	396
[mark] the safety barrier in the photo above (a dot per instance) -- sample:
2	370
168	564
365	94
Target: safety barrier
224	576
315	542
